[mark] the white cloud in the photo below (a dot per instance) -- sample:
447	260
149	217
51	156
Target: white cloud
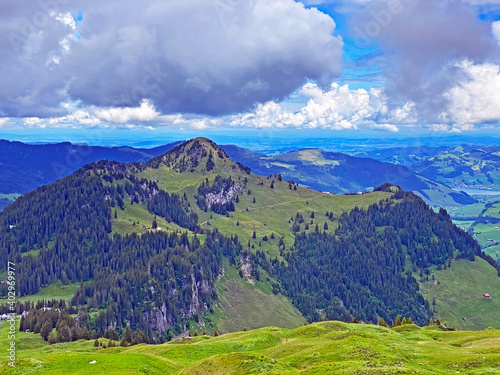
495	27
205	123
475	99
439	128
33	121
407	114
78	117
385	127
146	112
337	108
4	121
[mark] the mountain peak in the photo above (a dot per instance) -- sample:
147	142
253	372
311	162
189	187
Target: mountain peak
198	154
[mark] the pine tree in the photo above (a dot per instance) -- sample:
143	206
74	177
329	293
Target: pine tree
155	224
139	338
75	335
253	200
404	321
127	334
46	330
254	236
52	339
85	335
96	343
123	342
382	323
325	227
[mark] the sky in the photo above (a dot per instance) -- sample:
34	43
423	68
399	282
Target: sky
141	70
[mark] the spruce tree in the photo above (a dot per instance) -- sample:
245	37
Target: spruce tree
84	334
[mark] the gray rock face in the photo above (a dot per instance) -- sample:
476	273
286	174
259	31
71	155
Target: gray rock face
223	196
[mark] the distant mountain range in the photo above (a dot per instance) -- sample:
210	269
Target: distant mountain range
406	156
340	173
458	166
23	167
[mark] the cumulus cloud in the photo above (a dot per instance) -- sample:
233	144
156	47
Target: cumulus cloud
336	108
197	56
419	39
4	121
144	113
33	122
74	119
475	99
495	27
385	127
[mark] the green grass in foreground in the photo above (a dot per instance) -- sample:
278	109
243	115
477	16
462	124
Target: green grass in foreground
322	348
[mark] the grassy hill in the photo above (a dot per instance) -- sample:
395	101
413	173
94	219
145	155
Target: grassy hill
463	166
322	348
242	304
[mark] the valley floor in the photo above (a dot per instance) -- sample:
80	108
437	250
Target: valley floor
322	348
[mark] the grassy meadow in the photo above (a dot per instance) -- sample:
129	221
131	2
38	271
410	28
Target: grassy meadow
321	348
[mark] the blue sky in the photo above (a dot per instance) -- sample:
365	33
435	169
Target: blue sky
362	68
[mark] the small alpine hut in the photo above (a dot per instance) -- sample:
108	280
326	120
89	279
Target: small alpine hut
486	295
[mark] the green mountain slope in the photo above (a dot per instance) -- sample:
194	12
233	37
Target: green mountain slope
458	291
193	240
